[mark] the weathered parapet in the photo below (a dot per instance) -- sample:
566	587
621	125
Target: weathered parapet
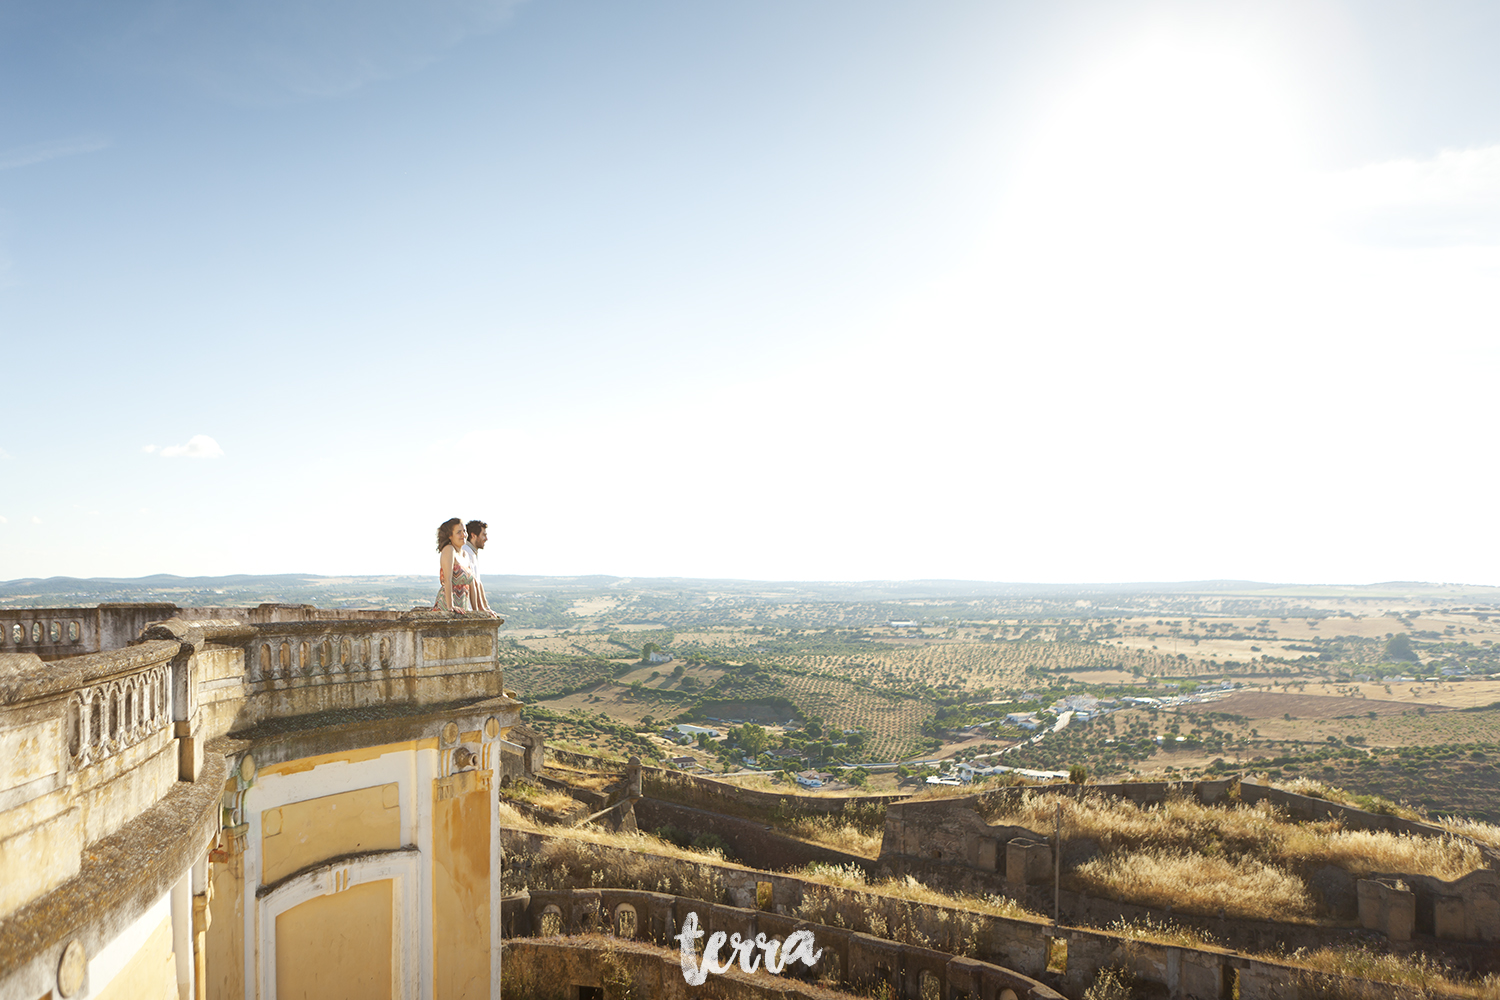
850	957
724	797
1307	807
1387	906
111	799
56	633
96	829
750	840
1028	862
1465	909
88	744
954	830
947	830
525	755
538	966
1014	943
307	667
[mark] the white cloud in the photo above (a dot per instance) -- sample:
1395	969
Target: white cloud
198	446
1455	177
38	152
5	455
3	519
150	449
1448	199
35	519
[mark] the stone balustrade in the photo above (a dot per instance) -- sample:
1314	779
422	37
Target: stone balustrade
110	796
87	743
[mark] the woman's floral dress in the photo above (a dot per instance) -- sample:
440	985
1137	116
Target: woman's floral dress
463	580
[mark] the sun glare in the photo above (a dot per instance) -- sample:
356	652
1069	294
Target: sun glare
1173	144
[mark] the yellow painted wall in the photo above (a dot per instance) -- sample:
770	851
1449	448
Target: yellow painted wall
225	945
338	946
299	834
304	764
150	975
461	893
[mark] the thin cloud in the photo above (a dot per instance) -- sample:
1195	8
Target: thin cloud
197	446
40	152
5	455
1451	198
4	519
1455	177
35	519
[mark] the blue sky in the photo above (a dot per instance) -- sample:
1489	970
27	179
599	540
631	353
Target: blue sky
1009	291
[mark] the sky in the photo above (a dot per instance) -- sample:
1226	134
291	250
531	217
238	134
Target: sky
848	290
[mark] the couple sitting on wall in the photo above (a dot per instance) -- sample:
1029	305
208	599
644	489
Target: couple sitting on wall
460	591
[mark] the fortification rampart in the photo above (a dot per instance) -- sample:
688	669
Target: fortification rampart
950	844
751	841
1025	945
723	797
848	958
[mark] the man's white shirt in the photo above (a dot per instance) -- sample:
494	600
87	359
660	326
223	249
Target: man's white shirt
473	555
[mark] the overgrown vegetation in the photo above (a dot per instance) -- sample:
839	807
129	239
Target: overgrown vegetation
1417	970
854	826
1251	862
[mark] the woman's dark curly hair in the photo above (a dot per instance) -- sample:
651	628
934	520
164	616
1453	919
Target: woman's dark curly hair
445	529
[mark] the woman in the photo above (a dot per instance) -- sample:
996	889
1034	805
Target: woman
455	575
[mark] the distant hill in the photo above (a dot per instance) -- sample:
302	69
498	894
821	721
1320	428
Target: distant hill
550	600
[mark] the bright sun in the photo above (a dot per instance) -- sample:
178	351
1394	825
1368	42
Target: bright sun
1173	144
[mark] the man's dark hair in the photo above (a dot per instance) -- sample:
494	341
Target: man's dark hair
475	527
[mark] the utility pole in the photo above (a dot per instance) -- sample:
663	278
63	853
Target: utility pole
1057	867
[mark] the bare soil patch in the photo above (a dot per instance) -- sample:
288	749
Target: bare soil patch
1271	705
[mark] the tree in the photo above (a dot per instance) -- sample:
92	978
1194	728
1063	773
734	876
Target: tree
1078	774
858	777
754	739
1399	649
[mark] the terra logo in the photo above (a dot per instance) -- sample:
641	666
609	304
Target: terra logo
798	947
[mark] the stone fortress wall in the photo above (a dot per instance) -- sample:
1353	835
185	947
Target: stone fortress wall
874	937
948	841
233	803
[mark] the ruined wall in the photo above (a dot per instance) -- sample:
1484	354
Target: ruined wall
947	843
850	959
1465	909
722	797
1019	943
751	842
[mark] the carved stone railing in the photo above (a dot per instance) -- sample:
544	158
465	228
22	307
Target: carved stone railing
48	632
87	743
55	633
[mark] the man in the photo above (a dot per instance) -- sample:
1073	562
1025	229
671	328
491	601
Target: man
478	534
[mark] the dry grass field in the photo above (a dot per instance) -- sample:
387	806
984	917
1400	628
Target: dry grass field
1250	862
